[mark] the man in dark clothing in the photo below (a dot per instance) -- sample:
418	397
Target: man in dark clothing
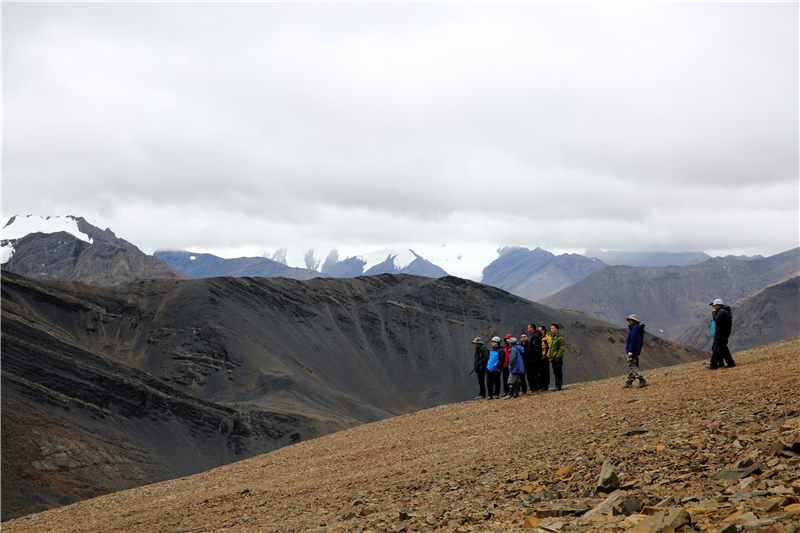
479	365
723	322
533	356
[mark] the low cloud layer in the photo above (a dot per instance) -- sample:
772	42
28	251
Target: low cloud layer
357	126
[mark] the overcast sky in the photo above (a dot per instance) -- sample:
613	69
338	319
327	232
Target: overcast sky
239	128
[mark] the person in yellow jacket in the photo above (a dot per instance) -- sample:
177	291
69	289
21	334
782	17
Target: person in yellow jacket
557	355
544	367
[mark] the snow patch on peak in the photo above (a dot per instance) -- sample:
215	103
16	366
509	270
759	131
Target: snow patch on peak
17	227
401	258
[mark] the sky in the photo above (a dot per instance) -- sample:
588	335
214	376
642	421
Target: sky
450	128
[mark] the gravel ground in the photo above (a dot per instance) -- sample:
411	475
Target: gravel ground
697	450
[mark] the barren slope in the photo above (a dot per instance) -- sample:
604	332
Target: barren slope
712	448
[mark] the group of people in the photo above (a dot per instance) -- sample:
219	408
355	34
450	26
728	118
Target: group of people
519	365
523	365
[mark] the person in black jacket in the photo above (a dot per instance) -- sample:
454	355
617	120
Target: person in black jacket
532	357
723	322
479	365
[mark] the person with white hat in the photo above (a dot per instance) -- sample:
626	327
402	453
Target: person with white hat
722	324
633	347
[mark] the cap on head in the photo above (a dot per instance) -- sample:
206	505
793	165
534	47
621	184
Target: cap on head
495	339
477	340
509	336
511	340
633	317
716	302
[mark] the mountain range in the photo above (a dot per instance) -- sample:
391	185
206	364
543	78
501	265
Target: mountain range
392	261
672	299
106	388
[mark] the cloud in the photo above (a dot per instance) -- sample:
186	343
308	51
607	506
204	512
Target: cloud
571	126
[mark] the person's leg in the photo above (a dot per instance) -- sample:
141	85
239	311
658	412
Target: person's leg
558	373
544	374
726	354
481	383
716	358
506	386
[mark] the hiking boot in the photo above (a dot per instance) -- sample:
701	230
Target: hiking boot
732	365
712	367
628	385
507	397
555	389
642	384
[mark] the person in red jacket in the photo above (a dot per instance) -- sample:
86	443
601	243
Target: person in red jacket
506	371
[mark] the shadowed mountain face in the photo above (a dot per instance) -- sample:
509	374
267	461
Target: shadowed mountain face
770	315
672	299
109	388
534	274
107	261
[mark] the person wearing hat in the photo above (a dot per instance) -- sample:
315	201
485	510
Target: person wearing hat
479	365
633	347
507	353
493	367
721	326
516	368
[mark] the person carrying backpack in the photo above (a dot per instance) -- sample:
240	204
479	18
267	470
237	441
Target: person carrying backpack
516	367
494	366
633	347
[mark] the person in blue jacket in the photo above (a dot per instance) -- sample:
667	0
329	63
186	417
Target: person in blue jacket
633	347
494	366
516	367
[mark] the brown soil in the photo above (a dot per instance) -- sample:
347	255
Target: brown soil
722	447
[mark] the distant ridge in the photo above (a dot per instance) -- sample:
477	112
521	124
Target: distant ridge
672	299
536	273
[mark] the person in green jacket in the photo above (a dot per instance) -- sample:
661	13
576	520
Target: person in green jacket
557	355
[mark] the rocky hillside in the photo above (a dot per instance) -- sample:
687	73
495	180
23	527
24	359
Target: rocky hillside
106	388
536	273
672	299
694	451
767	316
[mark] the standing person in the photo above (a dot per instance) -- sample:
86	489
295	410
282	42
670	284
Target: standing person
723	322
507	352
557	355
633	347
516	366
479	365
544	363
532	356
493	367
527	358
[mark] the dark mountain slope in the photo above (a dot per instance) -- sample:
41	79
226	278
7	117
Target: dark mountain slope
104	262
534	274
672	298
770	315
157	378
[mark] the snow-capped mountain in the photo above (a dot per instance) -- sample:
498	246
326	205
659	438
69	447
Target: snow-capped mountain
69	248
384	261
